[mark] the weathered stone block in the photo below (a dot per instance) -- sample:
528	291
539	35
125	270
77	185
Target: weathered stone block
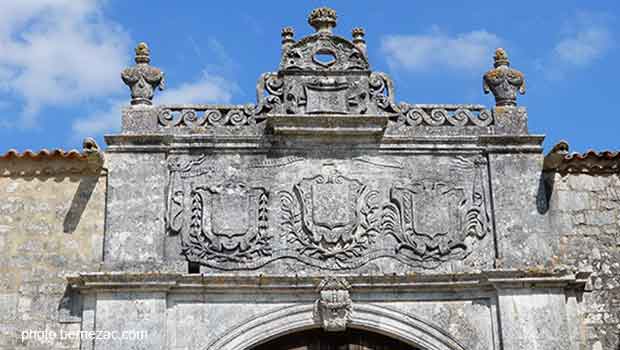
135	212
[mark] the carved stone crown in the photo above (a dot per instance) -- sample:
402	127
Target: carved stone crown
143	54
323	19
324	73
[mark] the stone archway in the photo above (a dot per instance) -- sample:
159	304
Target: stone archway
351	339
392	323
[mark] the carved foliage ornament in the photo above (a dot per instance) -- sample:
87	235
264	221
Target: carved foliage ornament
333	308
328	220
330	217
222	222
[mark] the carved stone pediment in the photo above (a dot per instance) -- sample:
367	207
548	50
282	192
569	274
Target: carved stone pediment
323	52
327	75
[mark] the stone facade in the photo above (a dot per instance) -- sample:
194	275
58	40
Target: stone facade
325	205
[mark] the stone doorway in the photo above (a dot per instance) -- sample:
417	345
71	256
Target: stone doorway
317	339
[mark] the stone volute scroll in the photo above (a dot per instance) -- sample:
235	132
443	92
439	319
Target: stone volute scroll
142	78
503	81
333	308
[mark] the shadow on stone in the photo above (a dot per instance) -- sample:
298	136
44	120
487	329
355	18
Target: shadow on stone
545	189
78	203
69	307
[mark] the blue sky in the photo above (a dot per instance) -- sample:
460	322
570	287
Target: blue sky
60	60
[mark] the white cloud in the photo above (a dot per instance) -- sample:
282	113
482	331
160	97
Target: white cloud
209	89
589	41
586	37
469	51
56	52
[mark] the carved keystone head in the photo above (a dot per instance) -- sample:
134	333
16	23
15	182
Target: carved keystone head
323	19
333	308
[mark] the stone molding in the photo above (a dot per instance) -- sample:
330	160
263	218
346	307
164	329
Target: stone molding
243	120
199	283
408	328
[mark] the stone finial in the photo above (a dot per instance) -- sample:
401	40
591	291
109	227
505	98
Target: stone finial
143	78
504	82
358	38
288	34
323	19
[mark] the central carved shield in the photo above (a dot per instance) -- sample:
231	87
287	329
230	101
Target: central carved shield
330	207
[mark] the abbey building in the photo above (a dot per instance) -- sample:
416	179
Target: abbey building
325	215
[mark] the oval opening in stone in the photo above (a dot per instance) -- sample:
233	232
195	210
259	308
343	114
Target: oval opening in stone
324	58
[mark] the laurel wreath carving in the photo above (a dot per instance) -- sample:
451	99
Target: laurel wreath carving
368	229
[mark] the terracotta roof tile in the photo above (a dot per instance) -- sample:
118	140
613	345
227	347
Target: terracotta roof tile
44	154
589	162
56	161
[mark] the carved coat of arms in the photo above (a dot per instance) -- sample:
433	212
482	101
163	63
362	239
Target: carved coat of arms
218	223
330	216
431	218
228	223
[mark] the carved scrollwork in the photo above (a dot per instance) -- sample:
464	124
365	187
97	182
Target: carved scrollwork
329	220
303	54
204	116
381	91
445	115
435	220
218	223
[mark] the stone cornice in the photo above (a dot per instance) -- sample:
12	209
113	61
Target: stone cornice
447	282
